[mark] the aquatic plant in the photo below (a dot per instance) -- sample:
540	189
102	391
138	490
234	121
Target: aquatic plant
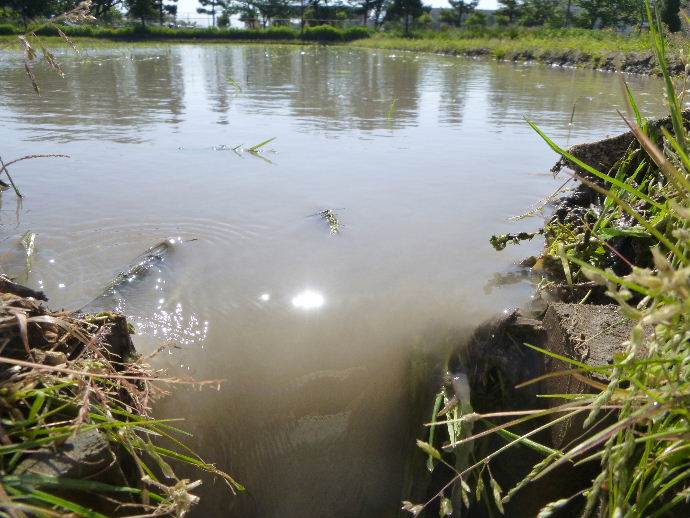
330	217
29	244
636	432
257	147
390	114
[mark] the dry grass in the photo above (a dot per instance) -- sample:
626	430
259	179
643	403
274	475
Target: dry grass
63	374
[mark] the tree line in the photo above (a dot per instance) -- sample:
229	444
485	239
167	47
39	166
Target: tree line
591	14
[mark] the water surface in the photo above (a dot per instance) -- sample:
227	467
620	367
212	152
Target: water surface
423	157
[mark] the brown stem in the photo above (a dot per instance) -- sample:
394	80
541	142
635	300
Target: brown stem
3	168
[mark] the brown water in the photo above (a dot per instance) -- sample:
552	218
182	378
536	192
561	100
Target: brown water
423	157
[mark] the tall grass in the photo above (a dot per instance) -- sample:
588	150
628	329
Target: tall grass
642	457
595	48
323	33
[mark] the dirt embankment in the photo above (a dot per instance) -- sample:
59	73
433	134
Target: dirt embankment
629	62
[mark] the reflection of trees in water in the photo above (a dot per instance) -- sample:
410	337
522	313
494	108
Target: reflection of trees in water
122	94
455	88
534	90
333	88
114	94
217	70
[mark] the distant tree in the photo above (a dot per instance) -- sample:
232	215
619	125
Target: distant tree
509	10
568	12
406	10
30	9
141	9
248	14
313	11
270	9
7	12
212	7
607	13
540	12
476	20
100	8
379	8
425	21
669	11
164	8
223	19
363	8
460	9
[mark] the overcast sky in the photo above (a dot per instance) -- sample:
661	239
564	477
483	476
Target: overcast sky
188	7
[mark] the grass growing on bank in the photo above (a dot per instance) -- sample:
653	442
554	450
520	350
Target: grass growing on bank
583	46
640	218
322	33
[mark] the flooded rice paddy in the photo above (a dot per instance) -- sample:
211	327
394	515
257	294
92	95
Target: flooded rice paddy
321	337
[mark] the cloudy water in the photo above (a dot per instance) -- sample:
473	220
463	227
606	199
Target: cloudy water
319	337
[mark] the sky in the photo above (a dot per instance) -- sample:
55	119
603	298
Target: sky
188	7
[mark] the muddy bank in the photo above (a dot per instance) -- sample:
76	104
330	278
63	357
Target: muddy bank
643	63
628	62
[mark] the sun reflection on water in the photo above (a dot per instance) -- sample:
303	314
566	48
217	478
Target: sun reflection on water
176	324
308	300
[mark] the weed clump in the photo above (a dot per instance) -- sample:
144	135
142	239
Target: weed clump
66	379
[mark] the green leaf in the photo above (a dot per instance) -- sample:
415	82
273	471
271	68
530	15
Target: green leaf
432	429
429	449
603	176
66	504
641	122
255	148
611	232
234	84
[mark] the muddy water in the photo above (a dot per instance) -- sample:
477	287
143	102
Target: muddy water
318	337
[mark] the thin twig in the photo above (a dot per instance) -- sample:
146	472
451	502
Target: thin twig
4	168
29	157
38	366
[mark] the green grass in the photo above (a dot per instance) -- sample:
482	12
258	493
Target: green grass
583	47
324	33
586	47
642	455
